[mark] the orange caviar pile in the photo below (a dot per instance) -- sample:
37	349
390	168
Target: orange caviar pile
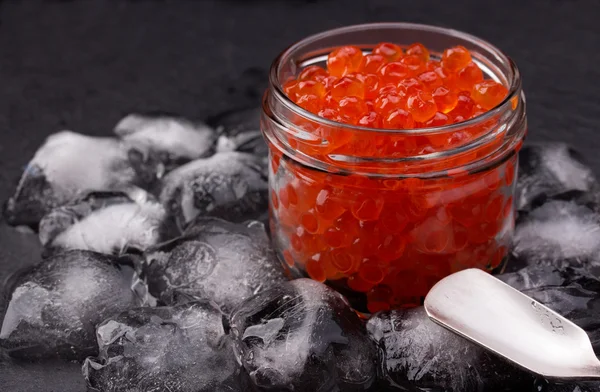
393	88
391	238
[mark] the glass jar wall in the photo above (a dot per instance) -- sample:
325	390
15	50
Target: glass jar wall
381	214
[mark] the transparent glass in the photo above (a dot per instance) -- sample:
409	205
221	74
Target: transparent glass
384	230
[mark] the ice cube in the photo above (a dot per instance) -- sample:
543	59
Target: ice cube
303	336
417	354
54	307
171	139
68	165
239	130
551	168
182	348
217	260
106	223
229	185
558	233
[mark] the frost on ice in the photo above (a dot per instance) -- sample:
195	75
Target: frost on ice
302	335
239	130
228	185
168	139
547	169
559	233
217	260
106	222
68	165
54	307
417	354
182	348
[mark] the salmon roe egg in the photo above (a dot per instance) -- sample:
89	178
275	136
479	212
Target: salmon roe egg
389	101
348	86
418	50
456	58
389	51
352	108
371	63
422	106
313	72
370	120
398	119
488	94
414	64
430	80
410	86
394	72
468	76
445	99
344	60
371	84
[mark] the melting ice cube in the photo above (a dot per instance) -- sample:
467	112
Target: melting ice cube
169	139
229	185
239	130
55	306
106	223
560	233
302	335
182	348
547	169
417	354
217	260
66	166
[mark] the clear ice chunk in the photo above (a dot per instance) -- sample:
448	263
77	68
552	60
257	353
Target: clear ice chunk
547	169
228	185
181	349
169	139
559	233
216	260
106	223
415	354
239	130
54	307
66	166
303	336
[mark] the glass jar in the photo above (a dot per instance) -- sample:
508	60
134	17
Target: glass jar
384	230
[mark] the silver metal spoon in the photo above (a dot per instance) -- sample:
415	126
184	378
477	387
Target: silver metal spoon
485	310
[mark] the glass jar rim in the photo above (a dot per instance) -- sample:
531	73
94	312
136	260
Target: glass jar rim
513	78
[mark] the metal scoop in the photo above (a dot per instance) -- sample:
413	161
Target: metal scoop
489	312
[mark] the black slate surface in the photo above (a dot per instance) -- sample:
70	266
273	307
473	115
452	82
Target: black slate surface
82	65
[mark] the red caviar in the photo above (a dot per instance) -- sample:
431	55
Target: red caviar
390	81
392	238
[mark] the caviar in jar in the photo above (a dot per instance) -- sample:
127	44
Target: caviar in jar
392	163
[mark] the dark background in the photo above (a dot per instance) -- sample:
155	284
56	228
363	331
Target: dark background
83	65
